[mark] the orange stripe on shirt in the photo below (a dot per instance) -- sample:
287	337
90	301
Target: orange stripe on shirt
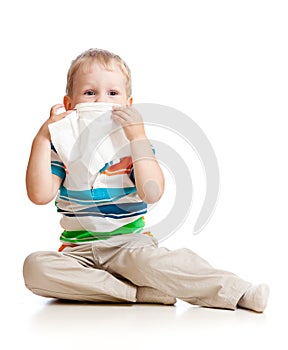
118	172
123	167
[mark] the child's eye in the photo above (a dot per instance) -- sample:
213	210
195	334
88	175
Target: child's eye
89	93
113	93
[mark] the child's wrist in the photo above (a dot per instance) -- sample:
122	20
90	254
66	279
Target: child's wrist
141	149
138	138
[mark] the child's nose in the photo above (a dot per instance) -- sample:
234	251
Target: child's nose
101	98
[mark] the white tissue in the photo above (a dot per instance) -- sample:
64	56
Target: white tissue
86	140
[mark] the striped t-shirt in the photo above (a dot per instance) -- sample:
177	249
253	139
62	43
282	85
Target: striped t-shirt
111	206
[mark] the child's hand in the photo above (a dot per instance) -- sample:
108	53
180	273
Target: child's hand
131	121
54	117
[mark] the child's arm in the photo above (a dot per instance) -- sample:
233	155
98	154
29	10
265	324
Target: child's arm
149	178
41	184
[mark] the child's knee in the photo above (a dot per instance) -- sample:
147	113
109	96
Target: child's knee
33	268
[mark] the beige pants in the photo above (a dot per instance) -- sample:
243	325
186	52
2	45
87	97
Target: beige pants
111	270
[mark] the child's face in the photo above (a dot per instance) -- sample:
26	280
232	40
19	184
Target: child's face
98	85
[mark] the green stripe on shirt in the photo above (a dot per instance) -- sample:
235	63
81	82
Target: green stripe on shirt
83	236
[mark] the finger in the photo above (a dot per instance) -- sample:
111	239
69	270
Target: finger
116	107
126	123
124	108
55	108
118	120
59	116
64	114
121	114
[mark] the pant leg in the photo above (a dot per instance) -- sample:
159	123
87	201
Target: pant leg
75	276
180	273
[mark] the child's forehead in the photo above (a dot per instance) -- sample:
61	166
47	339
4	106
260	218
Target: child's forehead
90	64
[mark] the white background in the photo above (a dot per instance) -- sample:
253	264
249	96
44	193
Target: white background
223	63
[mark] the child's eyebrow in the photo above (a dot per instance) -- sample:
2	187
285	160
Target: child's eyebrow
89	85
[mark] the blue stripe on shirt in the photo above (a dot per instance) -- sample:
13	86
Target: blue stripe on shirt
57	168
121	208
95	194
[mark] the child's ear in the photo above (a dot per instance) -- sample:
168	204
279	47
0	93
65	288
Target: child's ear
130	101
67	102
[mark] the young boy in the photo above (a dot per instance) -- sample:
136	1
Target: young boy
116	261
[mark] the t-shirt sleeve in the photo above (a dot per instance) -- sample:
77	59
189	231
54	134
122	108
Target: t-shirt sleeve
57	166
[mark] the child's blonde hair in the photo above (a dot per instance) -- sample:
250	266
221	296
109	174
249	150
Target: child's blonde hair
103	57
